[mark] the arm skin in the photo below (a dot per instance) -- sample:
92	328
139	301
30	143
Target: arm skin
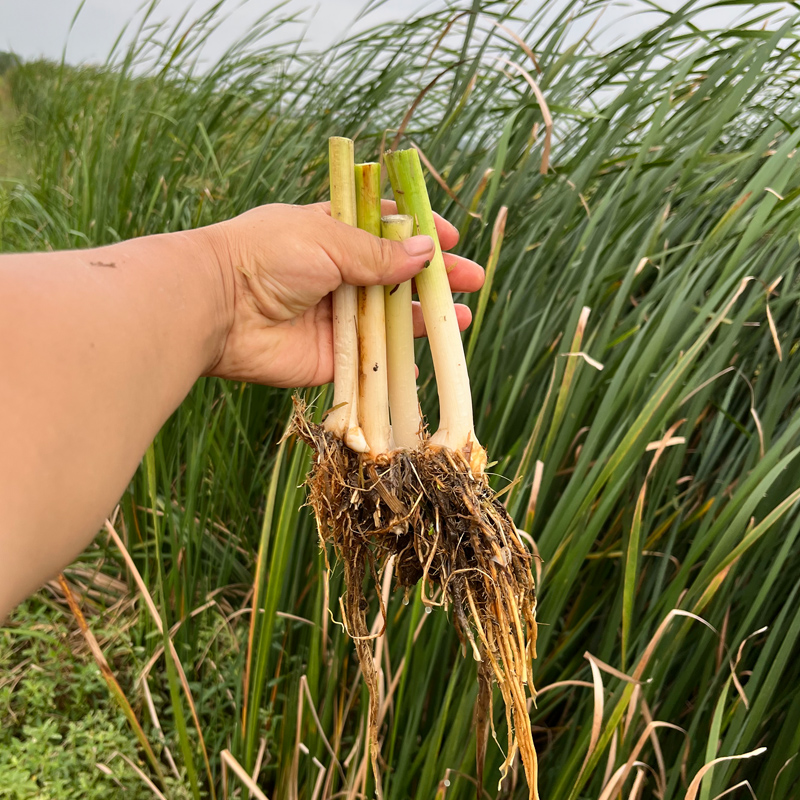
100	346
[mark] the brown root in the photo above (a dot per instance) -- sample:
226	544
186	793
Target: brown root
368	510
475	553
447	530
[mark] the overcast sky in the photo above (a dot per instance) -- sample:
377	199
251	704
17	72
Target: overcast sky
40	27
33	28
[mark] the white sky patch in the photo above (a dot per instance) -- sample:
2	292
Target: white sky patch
34	28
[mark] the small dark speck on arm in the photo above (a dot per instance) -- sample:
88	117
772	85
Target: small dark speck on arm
102	264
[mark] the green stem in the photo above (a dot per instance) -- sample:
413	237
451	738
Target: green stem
342	420
373	392
456	429
403	402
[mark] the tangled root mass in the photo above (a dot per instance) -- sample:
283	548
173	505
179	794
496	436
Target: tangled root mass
448	532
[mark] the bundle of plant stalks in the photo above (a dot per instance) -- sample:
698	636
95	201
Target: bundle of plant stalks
381	486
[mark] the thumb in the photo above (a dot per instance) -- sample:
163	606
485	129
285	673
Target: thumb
367	260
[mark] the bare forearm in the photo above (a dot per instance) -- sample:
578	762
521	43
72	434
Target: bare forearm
99	347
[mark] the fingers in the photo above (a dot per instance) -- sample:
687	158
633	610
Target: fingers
463	315
366	260
447	233
464	275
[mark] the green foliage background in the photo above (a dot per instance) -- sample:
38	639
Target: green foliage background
670	209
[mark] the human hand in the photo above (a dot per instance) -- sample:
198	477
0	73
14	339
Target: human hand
281	262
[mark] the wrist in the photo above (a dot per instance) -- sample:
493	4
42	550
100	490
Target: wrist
213	255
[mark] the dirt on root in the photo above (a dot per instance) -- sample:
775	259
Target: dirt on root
447	531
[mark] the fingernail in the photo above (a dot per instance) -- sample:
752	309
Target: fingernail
418	245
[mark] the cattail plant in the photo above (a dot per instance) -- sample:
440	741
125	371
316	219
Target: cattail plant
471	548
382	487
363	487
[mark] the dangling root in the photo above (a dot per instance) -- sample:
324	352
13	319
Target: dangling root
367	509
476	554
446	528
